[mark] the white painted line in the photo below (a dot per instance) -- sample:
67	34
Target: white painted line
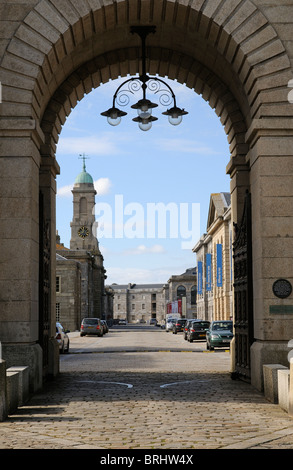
177	383
103	382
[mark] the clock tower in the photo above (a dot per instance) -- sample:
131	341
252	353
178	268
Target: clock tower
83	222
84	250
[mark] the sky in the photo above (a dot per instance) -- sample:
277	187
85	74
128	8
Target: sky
153	188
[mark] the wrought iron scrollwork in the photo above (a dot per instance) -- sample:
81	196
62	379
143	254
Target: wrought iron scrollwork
144	82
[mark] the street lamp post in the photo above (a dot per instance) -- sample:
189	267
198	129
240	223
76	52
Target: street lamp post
144	106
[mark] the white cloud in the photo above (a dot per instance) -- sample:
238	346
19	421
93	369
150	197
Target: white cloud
184	146
142	250
137	275
102	186
90	144
65	191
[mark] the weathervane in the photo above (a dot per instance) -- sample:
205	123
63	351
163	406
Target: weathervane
84	158
144	106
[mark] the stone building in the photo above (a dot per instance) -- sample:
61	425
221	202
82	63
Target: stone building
108	305
68	292
183	286
81	266
139	302
214	262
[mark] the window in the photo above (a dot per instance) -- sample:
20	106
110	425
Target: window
193	295
57	283
133	306
143	306
58	311
118	306
181	292
83	206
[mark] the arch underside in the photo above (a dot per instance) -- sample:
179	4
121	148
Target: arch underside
226	50
161	62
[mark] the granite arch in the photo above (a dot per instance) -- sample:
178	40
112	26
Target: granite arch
232	52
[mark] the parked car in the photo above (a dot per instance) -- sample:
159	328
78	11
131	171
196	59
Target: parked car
122	322
62	338
197	330
169	324
178	325
219	335
105	326
91	326
186	326
153	321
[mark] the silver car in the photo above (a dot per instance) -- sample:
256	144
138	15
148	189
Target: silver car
62	338
91	326
169	324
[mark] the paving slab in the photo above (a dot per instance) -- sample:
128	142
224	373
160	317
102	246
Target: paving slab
113	394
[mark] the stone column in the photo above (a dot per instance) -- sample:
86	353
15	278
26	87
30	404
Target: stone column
271	178
238	169
3	397
19	245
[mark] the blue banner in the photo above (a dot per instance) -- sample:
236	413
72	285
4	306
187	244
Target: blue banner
219	266
199	277
208	272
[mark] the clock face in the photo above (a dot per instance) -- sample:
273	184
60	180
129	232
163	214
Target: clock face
83	232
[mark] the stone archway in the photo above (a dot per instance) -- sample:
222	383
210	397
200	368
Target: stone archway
232	52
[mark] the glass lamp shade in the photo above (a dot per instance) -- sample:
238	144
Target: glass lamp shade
175	115
113	116
114	121
144	108
145	123
175	121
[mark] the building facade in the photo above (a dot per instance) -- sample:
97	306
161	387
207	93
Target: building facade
80	272
68	292
139	303
214	262
183	287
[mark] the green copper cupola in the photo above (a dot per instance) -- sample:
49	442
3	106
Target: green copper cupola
84	177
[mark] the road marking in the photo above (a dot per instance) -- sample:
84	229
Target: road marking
103	382
176	383
185	382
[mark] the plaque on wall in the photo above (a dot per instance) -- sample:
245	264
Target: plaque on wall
282	288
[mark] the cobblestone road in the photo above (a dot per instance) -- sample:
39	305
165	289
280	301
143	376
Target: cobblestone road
146	390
